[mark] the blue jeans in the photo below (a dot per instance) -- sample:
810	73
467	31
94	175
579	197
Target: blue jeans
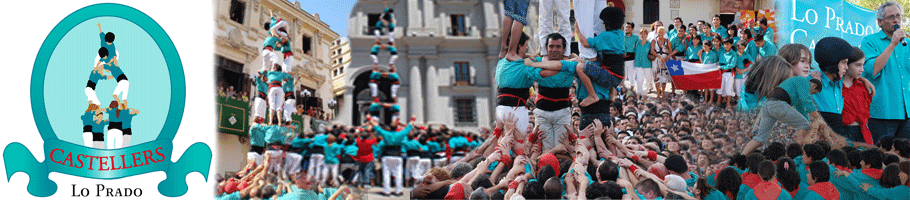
365	172
899	128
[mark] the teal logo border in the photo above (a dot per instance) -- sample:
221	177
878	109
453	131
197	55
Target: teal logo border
197	158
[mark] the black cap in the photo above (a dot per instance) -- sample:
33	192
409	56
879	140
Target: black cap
830	51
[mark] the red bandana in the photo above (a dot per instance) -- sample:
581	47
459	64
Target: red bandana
766	190
872	172
826	190
750	179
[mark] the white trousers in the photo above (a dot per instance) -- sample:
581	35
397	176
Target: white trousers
726	86
738	85
259	107
520	112
395	90
375	59
87	139
330	174
411	166
629	68
587	15
392	59
276	98
552	124
126	140
255	156
269	58
292	163
114	139
545	22
275	163
374	89
423	165
440	162
391	165
289	108
317	164
287	64
92	97
122	89
644	80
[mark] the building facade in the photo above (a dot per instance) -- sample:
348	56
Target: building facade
239	34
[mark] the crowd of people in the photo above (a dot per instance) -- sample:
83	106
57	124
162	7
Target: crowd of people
597	126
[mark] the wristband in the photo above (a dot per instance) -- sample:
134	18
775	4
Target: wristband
635	158
633	168
652	155
513	185
413	119
497	132
520	151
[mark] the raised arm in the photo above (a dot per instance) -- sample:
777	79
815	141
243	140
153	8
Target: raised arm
581	40
99	28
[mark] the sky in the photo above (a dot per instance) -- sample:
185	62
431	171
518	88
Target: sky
332	12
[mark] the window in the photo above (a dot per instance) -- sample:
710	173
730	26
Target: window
237	10
651	10
464	110
462	73
458	25
371	23
306	44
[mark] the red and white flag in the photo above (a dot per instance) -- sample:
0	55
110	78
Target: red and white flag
694	76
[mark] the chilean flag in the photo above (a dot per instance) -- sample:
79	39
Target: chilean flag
694	76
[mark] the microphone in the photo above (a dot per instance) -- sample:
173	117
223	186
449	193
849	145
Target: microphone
903	42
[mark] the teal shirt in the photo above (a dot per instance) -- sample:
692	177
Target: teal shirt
513	74
705	37
798	89
286	47
111	49
289	85
351	150
641	55
88	118
767	50
434	147
99	127
743	191
769	33
394	108
94	77
231	196
262	86
752	50
392	49
740	65
691	182
327	192
610	41
803	191
721	31
112	115
710	57
629	42
393	77
692	52
257	135
301	142
375	49
375	108
275	134
893	78
895	193
375	75
563	79
126	118
331	153
716	195
115	70
857	178
391	138
728	59
458	142
298	194
320	141
602	92
831	98
680	45
271	42
277	76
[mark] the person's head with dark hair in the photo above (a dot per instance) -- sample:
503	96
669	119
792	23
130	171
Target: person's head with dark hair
886	142
775	150
766	170
848	149
109	37
838	158
613	190
902	147
673	196
267	25
478	194
648	188
794	150
607	171
832	59
738	161
482	180
890	158
497	195
564	166
613	18
762	21
818	173
872	158
825	145
786	174
545	172
594	191
676	164
556	46
102	52
812	152
754	161
701	185
266	192
728	181
552	188
855	159
533	190
892	176
816	86
460	170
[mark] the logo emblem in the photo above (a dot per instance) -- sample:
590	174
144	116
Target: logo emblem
128	112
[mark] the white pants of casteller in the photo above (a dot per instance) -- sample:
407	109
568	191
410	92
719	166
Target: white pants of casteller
379	33
587	15
545	22
87	139
289	108
644	80
269	58
374	89
411	166
275	163
330	174
520	112
122	89
259	107
629	67
391	165
292	162
114	139
423	165
276	98
317	164
255	156
455	159
395	90
440	162
726	86
92	97
287	64
552	123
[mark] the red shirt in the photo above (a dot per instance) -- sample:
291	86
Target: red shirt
365	150
856	107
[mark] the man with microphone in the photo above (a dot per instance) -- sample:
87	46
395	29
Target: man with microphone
888	68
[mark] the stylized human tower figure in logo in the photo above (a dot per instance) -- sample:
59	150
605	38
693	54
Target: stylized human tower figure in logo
120	115
386	20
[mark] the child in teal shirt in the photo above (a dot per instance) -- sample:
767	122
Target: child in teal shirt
608	70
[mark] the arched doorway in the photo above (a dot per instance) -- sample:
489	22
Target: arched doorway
362	99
